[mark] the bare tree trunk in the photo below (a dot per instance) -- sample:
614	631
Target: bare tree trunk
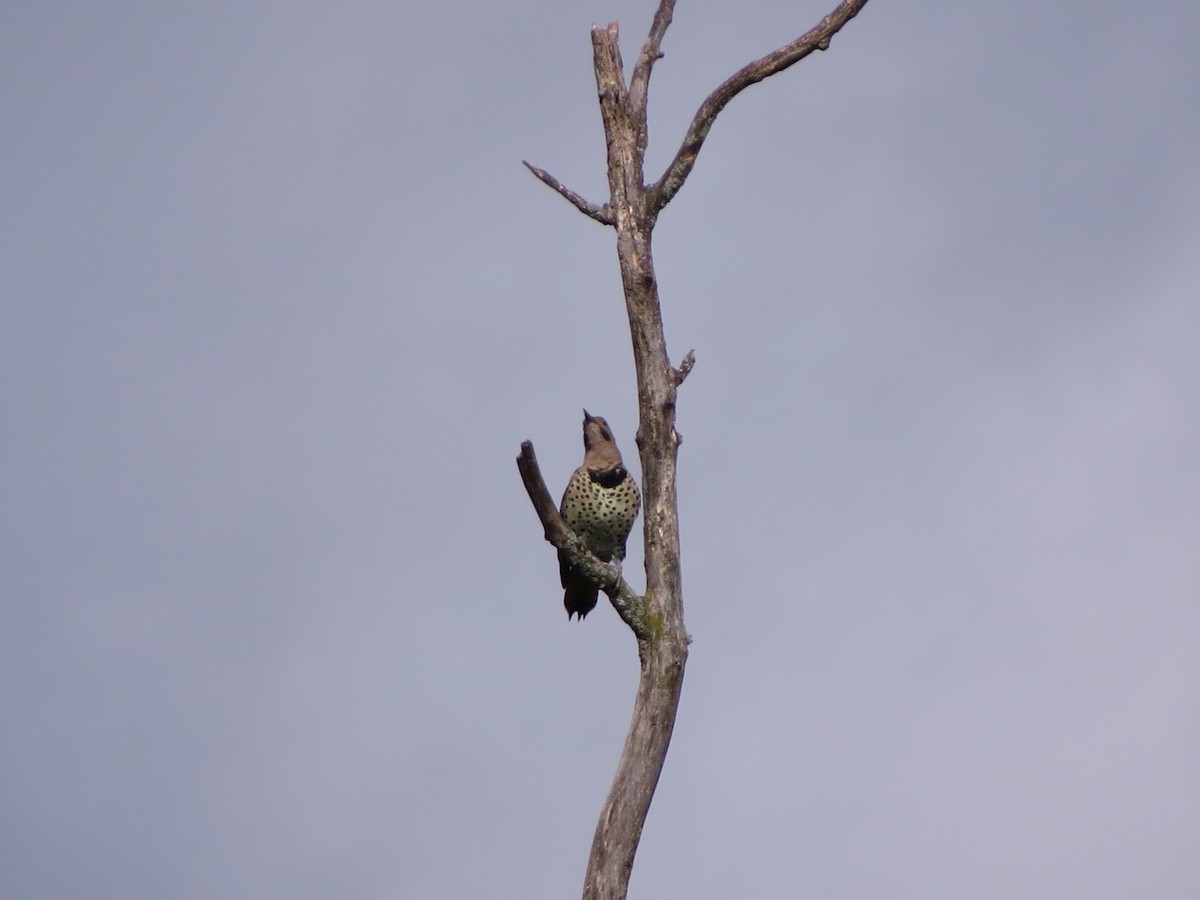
663	649
656	617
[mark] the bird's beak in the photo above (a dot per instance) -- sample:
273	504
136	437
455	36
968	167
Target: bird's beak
587	416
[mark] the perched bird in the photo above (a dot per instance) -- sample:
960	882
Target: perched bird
600	503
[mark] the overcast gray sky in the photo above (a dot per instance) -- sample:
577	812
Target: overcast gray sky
280	303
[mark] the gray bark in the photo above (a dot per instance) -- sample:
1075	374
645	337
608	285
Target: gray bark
656	617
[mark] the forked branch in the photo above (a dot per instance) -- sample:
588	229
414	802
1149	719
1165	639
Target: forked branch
656	617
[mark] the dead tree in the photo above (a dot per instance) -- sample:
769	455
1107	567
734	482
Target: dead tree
656	617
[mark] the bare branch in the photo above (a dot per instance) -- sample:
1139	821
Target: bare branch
663	648
555	525
601	214
630	606
817	38
685	368
656	617
639	82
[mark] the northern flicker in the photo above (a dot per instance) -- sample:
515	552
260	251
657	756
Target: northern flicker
600	503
